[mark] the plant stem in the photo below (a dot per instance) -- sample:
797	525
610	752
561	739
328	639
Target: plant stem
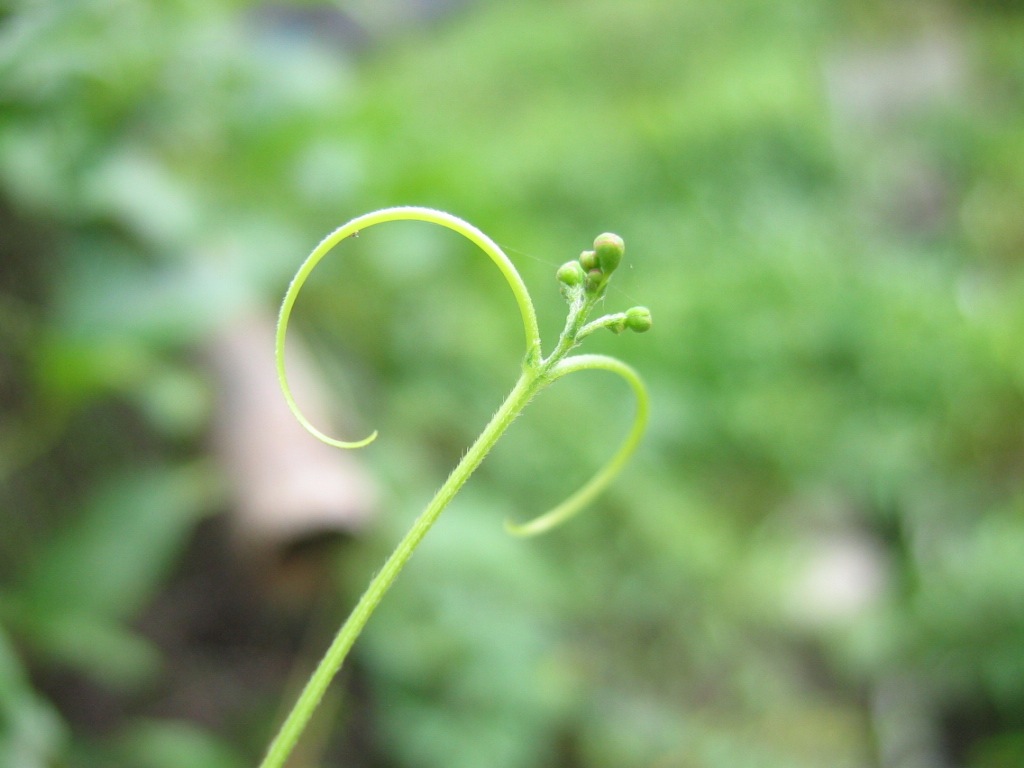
530	382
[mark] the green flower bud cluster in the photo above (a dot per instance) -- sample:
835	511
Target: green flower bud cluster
594	267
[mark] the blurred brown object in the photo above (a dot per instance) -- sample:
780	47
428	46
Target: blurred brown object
290	491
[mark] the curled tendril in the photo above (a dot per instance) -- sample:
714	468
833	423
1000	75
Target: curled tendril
593	487
583	285
405	213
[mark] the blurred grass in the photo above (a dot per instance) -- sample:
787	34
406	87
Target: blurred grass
816	560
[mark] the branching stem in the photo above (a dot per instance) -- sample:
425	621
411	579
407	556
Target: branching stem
537	373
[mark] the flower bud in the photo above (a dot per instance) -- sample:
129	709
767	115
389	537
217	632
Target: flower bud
571	273
588	260
595	280
609	249
638	319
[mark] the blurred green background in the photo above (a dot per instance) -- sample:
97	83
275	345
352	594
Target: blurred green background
817	557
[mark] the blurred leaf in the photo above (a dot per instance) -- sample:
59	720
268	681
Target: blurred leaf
104	566
31	731
170	744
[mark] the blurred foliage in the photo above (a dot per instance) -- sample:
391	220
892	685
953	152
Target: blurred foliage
818	557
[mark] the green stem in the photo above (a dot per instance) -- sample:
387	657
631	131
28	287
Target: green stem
530	382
